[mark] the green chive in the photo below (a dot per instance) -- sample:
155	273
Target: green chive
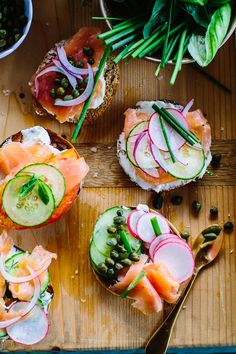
108	18
125	241
171	47
126	40
87	103
146	42
122	54
134	283
116	30
155	226
167	140
121	34
167	35
179	57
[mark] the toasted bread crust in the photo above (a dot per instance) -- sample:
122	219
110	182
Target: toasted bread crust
112	78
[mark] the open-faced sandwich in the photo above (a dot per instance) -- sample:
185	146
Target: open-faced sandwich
40	176
25	292
138	253
163	145
65	79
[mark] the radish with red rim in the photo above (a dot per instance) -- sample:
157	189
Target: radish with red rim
145	229
132	221
133	136
142	153
156	242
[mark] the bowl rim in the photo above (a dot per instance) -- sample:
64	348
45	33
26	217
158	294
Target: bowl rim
231	29
22	38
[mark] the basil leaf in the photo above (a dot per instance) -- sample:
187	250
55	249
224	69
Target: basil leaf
198	13
26	188
158	16
43	193
196	2
203	49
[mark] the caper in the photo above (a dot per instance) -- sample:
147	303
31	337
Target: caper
114	254
126	262
216	158
210	236
91	61
118	266
75	93
185	234
53	93
134	256
85	81
79	64
64	83
120	227
70	58
68	98
196	205
111	230
119	240
3	42
119	220
110	272
3	33
176	200
88	51
214	211
81	90
119	212
57	81
60	91
110	262
158	201
216	229
112	242
102	268
228	226
120	249
17	37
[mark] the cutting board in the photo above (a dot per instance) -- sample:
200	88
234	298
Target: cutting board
83	314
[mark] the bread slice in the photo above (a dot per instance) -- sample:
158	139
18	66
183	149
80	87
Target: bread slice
111	76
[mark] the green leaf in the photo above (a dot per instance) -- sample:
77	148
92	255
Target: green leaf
197	12
26	188
42	192
196	2
158	16
203	49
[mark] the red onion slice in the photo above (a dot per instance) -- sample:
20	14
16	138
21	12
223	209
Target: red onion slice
68	66
187	107
10	278
71	78
43	72
85	95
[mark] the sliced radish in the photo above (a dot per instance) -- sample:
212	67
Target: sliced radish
144	226
177	258
156	155
132	221
157	241
156	133
30	329
153	172
174	240
187	107
142	153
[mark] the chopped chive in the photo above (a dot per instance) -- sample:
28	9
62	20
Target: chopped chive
167	34
87	103
158	69
167	140
126	40
179	57
123	33
133	284
155	226
146	43
171	47
130	20
122	26
122	54
108	18
125	241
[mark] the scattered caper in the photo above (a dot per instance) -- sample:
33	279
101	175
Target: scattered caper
119	212
119	240
214	211
70	58
228	226
196	205
119	220
210	236
185	234
114	254
176	200
68	97
120	227
110	272
85	81
134	256
57	81
75	93
102	268
17	37
119	266
216	229
91	61
81	90
126	262
3	42
60	91
158	201
64	82
112	242
53	93
111	230
79	64
3	33
110	262
88	51
120	249
216	158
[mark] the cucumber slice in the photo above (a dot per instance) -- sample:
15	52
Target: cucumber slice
3	334
130	143
50	175
12	263
194	162
30	211
100	234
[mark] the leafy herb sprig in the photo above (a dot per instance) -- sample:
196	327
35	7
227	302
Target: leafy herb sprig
33	182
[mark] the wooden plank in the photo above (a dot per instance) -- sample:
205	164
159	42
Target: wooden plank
105	170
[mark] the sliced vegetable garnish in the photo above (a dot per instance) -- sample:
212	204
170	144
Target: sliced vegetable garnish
155	226
142	153
125	241
132	221
167	140
133	136
133	284
145	229
156	242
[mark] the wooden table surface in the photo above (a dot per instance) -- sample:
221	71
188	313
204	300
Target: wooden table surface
83	314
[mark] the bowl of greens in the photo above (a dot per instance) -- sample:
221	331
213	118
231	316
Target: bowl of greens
15	21
168	31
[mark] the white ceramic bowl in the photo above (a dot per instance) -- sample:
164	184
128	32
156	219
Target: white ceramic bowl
29	14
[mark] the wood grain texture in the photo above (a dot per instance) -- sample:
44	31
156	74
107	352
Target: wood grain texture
83	314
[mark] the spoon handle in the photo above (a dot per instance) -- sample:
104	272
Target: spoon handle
159	341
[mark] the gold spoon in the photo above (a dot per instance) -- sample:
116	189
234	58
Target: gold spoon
205	253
